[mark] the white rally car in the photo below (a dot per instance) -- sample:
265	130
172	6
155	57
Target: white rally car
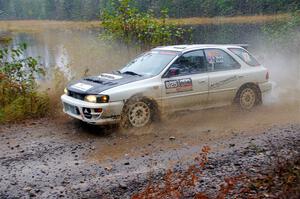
168	79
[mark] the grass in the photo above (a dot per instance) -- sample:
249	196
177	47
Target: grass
231	20
38	25
31	105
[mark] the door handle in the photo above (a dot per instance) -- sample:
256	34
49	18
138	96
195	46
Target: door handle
201	81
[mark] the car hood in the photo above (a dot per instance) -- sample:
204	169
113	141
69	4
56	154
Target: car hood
96	84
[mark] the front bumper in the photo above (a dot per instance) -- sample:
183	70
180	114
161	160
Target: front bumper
92	113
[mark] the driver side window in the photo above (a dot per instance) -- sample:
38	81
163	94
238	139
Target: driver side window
189	63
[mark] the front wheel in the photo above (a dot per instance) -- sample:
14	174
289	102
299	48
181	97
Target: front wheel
248	97
136	114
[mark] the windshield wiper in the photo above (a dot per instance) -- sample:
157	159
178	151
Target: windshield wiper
116	71
131	73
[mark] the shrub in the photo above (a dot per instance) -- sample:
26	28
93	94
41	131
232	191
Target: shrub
19	98
123	22
184	183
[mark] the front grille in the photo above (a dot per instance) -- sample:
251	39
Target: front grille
71	109
76	95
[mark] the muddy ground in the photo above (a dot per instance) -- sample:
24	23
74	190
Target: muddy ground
52	158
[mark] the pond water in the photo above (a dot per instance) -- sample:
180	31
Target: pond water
229	34
74	51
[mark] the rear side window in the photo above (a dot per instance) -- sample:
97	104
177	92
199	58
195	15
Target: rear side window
218	60
245	56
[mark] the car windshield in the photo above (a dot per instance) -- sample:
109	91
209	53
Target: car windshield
150	63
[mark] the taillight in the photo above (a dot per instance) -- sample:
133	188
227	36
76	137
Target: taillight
267	76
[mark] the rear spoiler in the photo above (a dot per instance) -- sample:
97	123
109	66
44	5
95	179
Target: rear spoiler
246	46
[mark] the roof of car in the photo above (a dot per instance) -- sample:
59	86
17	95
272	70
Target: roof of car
182	48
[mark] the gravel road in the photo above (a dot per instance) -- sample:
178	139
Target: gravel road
52	158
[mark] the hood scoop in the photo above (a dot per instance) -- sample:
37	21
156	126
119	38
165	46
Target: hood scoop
110	76
100	81
96	84
105	79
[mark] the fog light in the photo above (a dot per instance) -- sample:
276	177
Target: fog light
103	99
98	110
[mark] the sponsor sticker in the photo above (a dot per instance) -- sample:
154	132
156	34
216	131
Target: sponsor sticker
225	81
179	85
214	57
82	86
110	76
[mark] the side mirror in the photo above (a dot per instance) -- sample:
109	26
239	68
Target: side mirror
173	72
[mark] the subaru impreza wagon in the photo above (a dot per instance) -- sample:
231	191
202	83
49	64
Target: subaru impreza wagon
168	79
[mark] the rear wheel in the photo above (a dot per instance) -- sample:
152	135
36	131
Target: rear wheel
248	97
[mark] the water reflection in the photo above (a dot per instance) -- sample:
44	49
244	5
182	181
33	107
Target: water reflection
62	61
73	52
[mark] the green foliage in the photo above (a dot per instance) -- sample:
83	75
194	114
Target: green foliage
19	98
123	22
5	39
50	9
29	105
20	70
284	35
89	9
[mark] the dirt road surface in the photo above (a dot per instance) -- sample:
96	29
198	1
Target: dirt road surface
52	158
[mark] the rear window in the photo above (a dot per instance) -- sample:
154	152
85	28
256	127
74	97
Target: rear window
245	56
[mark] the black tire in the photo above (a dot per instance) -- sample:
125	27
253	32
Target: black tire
248	97
137	113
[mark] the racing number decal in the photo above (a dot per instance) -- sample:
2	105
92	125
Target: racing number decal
171	84
179	85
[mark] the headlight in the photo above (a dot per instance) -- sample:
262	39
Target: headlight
97	99
91	98
66	91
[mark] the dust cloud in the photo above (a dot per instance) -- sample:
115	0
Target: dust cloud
85	52
281	106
